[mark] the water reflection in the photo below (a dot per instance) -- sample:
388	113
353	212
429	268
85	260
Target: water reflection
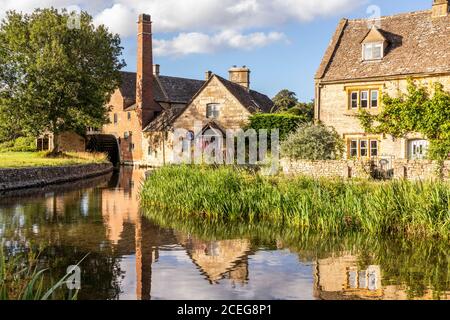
132	257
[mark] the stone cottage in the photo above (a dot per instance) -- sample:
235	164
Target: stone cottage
368	58
149	106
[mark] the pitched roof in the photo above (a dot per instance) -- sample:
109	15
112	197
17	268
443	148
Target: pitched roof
165	89
417	44
252	100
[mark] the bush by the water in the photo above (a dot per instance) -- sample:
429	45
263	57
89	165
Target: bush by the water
313	142
22	144
324	206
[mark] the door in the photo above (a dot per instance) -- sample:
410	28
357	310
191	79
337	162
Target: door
418	149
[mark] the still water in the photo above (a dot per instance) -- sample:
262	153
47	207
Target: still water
133	257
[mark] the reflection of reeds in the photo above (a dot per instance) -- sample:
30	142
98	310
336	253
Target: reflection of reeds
417	264
327	206
22	279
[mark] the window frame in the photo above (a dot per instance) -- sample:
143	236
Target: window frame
354	100
129	116
212	111
358	150
362	92
377	99
369	49
115	118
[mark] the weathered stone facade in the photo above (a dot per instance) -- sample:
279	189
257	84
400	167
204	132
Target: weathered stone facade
334	110
413	46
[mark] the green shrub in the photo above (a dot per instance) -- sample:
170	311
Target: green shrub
22	144
285	122
313	142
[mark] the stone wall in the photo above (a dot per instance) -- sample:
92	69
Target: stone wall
327	169
402	169
421	170
21	178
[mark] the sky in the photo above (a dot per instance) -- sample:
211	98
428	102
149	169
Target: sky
281	41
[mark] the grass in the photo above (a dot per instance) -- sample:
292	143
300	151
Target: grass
337	207
21	278
41	159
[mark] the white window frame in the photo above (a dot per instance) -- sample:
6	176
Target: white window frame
352	148
353	100
366	148
372	100
367	92
212	110
370	50
371	149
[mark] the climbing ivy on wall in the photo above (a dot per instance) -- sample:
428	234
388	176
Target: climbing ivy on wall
421	110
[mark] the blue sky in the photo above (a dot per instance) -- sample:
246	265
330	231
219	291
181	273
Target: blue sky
282	41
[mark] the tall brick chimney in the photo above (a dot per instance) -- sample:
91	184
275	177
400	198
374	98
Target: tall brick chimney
144	77
440	8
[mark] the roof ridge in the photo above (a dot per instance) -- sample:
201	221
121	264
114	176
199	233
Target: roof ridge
397	15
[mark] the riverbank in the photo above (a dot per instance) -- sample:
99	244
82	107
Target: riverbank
22	178
323	206
40	159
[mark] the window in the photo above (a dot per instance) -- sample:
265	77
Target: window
363	148
354	149
129	116
364	99
212	111
373	148
372	51
150	150
374	98
354	99
116	118
131	147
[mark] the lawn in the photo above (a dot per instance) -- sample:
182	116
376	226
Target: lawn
39	159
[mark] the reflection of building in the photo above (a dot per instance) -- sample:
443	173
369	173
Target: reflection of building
340	278
224	259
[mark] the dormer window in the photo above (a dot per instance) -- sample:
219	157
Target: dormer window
374	45
373	51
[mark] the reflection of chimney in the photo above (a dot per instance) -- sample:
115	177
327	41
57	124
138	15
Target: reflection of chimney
240	76
208	74
440	8
144	76
156	68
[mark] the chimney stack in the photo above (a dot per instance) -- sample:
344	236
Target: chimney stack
144	76
208	74
240	76
441	8
156	68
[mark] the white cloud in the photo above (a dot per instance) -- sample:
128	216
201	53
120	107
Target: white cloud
203	25
196	43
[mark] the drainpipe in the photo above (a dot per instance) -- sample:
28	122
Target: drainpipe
317	101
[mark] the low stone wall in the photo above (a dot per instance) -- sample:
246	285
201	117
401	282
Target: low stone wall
328	169
421	170
21	178
401	169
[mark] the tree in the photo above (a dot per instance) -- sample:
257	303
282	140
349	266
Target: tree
304	110
313	142
54	78
285	100
420	110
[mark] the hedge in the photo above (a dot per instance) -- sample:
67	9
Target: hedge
286	123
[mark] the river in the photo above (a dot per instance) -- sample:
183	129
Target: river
132	257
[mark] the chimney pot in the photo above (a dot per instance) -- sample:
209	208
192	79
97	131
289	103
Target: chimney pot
208	74
156	69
